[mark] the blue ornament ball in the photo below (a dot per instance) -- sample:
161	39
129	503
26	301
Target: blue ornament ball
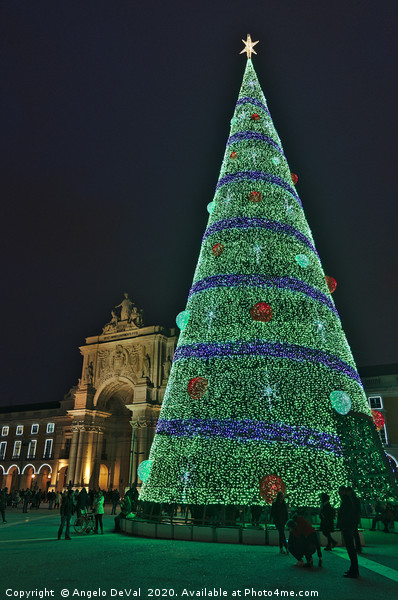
182	319
302	260
144	470
341	402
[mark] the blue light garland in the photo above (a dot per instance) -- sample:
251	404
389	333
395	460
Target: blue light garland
254	222
272	349
254	101
257	176
262	281
253	135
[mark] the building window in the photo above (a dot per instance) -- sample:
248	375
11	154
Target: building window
19	430
17	449
50	428
5	430
34	429
375	402
3	448
48	448
32	449
383	435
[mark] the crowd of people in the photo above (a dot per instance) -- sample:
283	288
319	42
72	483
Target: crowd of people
303	539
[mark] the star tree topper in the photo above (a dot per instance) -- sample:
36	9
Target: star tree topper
249	46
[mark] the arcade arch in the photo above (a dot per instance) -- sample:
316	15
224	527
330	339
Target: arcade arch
11	480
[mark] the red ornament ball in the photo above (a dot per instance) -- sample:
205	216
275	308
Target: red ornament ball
261	312
378	419
255	117
218	249
332	283
197	387
254	196
294	178
270	485
233	155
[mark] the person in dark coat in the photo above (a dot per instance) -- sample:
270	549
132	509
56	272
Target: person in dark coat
303	541
3	503
357	505
347	522
132	494
66	511
384	514
83	502
27	496
327	515
279	516
115	497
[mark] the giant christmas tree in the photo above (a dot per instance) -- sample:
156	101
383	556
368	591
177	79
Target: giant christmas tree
263	393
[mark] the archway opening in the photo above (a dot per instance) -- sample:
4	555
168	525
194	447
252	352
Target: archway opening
44	478
29	479
115	440
12	478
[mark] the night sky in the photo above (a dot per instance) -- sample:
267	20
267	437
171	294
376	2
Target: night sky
114	119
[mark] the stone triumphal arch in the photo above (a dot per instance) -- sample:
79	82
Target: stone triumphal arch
118	398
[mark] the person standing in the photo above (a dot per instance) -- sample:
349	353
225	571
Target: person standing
98	511
26	499
51	498
279	516
66	514
58	499
357	506
3	503
115	500
83	502
327	515
347	522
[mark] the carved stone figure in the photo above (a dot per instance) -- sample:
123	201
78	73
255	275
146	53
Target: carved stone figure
119	358
146	365
90	369
89	373
166	368
134	359
127	307
139	321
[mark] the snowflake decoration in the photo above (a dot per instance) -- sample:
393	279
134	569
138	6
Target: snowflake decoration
289	207
257	250
320	329
268	390
210	316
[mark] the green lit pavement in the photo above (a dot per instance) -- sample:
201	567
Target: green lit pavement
114	565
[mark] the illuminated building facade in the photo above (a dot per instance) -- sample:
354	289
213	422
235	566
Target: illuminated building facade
103	428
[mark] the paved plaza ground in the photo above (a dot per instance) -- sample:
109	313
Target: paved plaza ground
119	566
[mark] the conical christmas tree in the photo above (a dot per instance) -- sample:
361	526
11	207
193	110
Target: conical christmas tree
264	394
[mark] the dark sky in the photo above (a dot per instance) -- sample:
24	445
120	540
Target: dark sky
114	119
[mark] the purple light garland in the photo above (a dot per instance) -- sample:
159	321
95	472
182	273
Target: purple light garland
270	349
252	223
257	176
249	430
286	283
253	135
254	101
